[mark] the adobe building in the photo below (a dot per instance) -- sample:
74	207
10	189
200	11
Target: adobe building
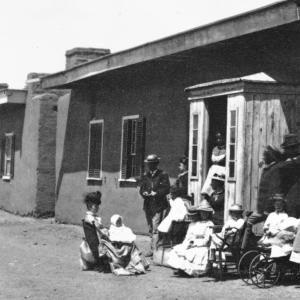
125	105
28	143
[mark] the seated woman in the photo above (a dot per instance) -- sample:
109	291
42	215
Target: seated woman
191	257
218	159
125	257
230	228
177	211
91	258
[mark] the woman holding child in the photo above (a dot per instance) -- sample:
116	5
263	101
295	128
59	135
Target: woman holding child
115	246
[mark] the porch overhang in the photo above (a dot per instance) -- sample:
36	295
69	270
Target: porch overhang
12	96
239	85
181	46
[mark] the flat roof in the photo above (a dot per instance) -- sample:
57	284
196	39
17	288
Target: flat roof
12	96
267	17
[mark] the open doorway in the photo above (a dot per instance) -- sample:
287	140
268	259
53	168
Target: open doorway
214	185
217	114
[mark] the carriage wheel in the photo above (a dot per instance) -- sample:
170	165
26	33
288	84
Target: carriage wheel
244	265
264	271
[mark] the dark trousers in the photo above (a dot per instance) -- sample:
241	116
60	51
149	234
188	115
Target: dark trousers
153	220
253	219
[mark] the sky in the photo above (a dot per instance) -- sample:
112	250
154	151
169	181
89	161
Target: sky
35	34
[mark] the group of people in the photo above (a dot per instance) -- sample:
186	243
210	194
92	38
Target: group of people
164	204
160	198
114	247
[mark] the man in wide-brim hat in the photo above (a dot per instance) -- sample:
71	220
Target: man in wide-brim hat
154	188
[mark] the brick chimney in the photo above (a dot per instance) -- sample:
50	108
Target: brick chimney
3	86
77	56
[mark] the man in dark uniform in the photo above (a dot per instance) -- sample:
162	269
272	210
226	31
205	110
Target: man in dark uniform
278	177
216	199
182	179
154	187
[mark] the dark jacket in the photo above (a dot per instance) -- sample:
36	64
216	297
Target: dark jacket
217	202
159	183
277	178
182	184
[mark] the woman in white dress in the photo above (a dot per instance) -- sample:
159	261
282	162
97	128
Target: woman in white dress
177	211
191	256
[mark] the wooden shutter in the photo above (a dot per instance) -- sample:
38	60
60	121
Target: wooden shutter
124	149
95	150
140	146
2	155
12	155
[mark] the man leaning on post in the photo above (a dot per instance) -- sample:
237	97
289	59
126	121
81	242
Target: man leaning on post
154	188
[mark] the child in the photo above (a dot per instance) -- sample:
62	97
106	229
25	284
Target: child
118	232
274	219
235	223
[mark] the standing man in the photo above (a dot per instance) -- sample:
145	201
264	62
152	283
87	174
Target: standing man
154	187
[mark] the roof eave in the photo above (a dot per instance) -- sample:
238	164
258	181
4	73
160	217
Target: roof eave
264	18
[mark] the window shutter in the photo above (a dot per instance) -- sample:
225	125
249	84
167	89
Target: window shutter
124	150
95	150
12	153
2	156
140	146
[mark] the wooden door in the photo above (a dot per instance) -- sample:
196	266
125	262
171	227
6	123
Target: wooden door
235	151
198	139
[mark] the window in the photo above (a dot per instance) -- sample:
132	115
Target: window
232	144
133	145
95	150
195	138
7	156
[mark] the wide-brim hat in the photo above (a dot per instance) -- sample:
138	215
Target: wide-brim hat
278	197
152	158
236	208
219	177
203	206
290	140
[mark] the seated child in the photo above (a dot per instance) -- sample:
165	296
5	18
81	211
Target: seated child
88	260
235	223
282	242
177	211
274	219
120	233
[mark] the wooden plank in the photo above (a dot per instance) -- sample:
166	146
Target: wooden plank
271	120
263	120
240	151
255	150
247	193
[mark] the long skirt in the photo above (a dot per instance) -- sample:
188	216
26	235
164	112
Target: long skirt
193	261
124	259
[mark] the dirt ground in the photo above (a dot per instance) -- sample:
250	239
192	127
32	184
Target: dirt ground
40	260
